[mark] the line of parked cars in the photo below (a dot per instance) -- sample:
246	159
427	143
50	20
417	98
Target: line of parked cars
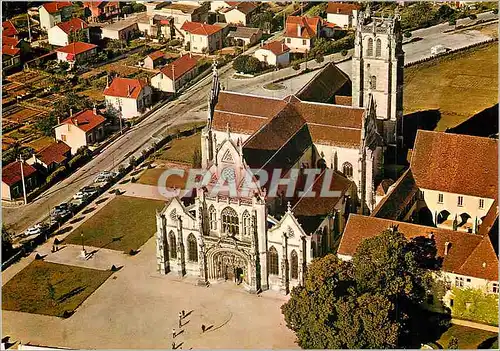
65	210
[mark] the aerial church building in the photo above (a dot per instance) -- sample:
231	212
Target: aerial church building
265	238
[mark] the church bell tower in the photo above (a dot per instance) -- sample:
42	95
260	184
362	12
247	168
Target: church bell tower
378	65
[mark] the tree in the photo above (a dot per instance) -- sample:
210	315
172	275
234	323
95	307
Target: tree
407	34
495	11
373	301
7	248
196	161
262	20
452	22
247	64
296	66
473	17
73	102
46	124
320	58
453	343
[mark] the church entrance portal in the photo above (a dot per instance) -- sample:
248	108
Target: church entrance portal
230	266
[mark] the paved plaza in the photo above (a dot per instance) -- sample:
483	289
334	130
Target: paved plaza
137	308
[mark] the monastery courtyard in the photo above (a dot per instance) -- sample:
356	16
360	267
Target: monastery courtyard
137	308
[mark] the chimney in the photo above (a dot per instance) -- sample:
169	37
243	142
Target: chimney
58	120
70	112
282	47
447	248
75	122
94	110
83	26
338	10
128	90
261	43
107	80
431	235
299	31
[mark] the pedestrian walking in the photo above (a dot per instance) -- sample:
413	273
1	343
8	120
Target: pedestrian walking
173	345
203	328
183	313
173	333
180	319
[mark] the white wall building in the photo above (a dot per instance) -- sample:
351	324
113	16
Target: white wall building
275	53
54	12
343	15
64	33
130	97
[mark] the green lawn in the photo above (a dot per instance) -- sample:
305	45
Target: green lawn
181	150
459	85
125	223
50	288
468	338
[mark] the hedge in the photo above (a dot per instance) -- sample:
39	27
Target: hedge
475	305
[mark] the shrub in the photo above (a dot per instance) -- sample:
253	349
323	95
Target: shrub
473	17
247	64
452	22
407	34
320	58
56	174
75	160
296	66
473	304
343	52
495	11
121	169
133	180
132	161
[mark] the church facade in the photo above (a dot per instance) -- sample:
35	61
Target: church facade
265	238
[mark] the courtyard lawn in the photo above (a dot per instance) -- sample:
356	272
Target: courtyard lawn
181	150
50	288
468	338
460	85
124	224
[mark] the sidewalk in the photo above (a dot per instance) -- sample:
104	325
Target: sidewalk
475	325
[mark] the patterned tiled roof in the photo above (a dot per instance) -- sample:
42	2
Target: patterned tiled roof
56	6
54	153
77	48
181	66
200	28
308	27
85	120
73	25
8	29
276	47
458	164
11	174
125	87
340	8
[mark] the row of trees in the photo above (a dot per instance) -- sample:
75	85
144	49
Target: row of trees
373	301
248	64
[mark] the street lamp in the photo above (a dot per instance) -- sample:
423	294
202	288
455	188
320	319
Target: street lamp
83	254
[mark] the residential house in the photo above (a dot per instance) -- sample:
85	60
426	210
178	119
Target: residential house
182	12
131	97
16	43
154	59
76	52
67	32
12	184
239	14
457	178
120	30
343	15
202	38
301	32
82	129
51	157
9	30
176	74
275	53
11	58
217	5
54	12
468	260
102	10
244	36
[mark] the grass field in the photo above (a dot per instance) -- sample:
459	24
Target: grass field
181	150
125	223
468	338
459	85
50	288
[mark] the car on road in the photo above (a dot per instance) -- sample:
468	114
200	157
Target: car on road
35	230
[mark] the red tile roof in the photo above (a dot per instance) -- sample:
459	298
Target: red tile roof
339	8
245	7
85	120
276	47
327	124
125	87
11	174
465	254
10	50
54	153
10	41
73	25
200	28
308	27
77	48
156	55
55	6
455	163
8	29
181	66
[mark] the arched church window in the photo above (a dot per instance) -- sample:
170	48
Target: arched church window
247	223
378	48
373	82
369	49
230	222
273	261
212	215
173	215
172	245
192	248
294	262
347	169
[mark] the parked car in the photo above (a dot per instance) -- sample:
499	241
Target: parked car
81	195
90	190
35	230
105	176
